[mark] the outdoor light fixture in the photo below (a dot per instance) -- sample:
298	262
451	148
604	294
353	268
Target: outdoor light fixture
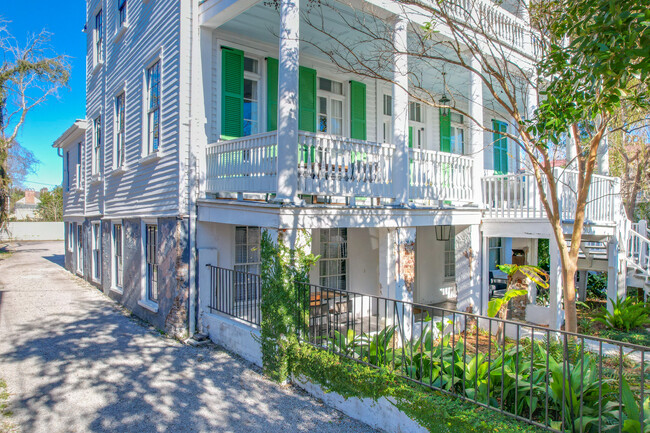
444	101
443	233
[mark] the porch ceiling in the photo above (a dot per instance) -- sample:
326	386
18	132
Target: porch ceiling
261	24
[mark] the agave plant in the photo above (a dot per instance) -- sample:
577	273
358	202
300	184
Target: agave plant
626	314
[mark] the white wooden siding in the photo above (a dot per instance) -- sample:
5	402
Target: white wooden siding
153	33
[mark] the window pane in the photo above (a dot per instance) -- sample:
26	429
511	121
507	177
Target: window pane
250	65
388	105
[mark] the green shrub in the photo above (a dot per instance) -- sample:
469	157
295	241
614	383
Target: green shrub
597	285
627	314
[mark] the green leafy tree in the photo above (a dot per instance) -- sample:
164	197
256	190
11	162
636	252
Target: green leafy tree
51	206
29	75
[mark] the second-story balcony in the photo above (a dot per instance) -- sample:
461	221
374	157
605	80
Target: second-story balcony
334	166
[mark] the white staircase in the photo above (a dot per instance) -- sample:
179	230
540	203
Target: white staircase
638	257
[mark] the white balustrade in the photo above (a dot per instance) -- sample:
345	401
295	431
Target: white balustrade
440	176
517	196
638	251
338	166
246	164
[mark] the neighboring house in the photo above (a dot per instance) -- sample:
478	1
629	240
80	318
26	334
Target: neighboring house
25	208
189	148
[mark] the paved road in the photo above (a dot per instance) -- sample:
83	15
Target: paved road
76	363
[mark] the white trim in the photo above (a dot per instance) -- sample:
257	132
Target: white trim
119	91
93	247
151	158
156	55
97	67
148	305
122	29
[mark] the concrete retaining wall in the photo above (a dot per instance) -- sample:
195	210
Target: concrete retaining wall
33	231
239	338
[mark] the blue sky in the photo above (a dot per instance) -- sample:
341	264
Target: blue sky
44	124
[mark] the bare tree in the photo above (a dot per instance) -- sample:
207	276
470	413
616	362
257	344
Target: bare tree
29	75
559	79
21	162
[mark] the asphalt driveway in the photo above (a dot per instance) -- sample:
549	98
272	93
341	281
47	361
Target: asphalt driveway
75	362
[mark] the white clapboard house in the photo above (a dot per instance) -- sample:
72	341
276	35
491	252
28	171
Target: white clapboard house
210	121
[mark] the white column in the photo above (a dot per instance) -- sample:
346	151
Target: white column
387	262
582	285
571	152
287	162
614	287
476	132
485	275
400	113
468	269
405	274
507	251
602	157
555	297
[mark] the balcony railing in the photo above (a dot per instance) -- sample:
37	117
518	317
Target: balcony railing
517	196
335	166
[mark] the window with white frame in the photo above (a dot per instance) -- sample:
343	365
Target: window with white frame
388	119
416	125
457	134
450	255
122	10
153	107
252	104
151	256
120	130
67	170
118	254
330	106
247	259
494	250
98	35
97	145
333	264
96	251
70	236
78	172
80	248
247	249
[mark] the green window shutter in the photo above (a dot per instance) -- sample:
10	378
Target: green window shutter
271	94
410	136
500	147
445	132
357	110
232	90
307	99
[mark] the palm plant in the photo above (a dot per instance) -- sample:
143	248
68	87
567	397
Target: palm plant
626	314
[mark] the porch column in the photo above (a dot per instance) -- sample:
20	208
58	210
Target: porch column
555	283
476	132
507	251
485	275
287	161
468	269
614	287
582	285
602	157
400	113
387	262
405	274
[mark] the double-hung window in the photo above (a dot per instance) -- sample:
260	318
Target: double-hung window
252	80
388	119
80	248
333	266
247	260
78	172
494	250
99	38
70	236
416	125
330	106
97	145
153	107
151	247
117	256
457	135
96	249
500	147
450	255
122	9
120	130
67	170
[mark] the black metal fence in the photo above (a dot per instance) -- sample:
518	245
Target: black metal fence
236	293
555	380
